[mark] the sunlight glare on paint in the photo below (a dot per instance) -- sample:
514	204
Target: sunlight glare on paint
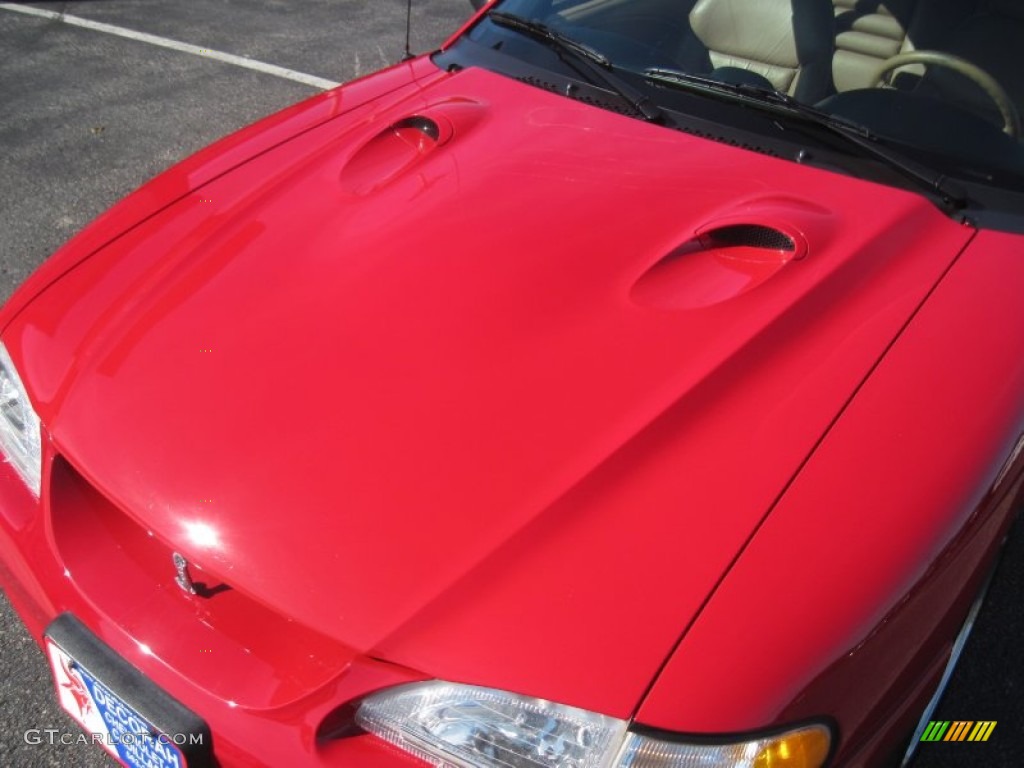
202	535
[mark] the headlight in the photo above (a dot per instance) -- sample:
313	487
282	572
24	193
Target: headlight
460	725
19	426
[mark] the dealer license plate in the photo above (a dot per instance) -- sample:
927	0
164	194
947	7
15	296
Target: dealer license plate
143	729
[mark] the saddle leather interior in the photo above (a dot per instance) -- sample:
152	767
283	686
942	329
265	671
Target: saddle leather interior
788	42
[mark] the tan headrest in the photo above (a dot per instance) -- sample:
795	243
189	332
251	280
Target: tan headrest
761	31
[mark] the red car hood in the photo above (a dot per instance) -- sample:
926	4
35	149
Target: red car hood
498	396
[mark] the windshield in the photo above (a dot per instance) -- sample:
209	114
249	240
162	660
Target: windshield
935	83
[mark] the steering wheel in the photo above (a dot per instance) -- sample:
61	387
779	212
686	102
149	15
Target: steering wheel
974	73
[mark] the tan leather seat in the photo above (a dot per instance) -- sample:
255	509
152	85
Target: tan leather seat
789	42
867	34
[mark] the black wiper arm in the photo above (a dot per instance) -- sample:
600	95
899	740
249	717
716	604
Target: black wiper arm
542	31
687	80
593	60
953	197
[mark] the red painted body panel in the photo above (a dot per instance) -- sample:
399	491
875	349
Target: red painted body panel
523	458
900	551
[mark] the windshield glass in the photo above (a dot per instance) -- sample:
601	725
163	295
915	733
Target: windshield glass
935	82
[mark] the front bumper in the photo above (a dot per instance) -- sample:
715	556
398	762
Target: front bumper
272	692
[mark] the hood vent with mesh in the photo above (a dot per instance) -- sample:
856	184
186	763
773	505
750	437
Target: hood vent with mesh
749	236
719	263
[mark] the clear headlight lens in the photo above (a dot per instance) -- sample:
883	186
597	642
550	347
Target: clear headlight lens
19	426
459	725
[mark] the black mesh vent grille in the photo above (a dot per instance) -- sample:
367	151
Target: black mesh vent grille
750	236
536	82
731	142
575	94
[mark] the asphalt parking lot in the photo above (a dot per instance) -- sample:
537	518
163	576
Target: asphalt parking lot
86	116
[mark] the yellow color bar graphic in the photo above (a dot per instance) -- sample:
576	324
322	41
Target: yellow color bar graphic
982	730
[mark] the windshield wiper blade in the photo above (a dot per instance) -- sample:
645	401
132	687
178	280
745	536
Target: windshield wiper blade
593	60
951	195
687	80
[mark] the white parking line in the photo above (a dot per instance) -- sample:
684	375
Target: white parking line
175	45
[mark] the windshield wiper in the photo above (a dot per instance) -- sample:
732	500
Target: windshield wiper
951	195
594	61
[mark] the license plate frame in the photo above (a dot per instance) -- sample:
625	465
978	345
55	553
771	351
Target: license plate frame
118	707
